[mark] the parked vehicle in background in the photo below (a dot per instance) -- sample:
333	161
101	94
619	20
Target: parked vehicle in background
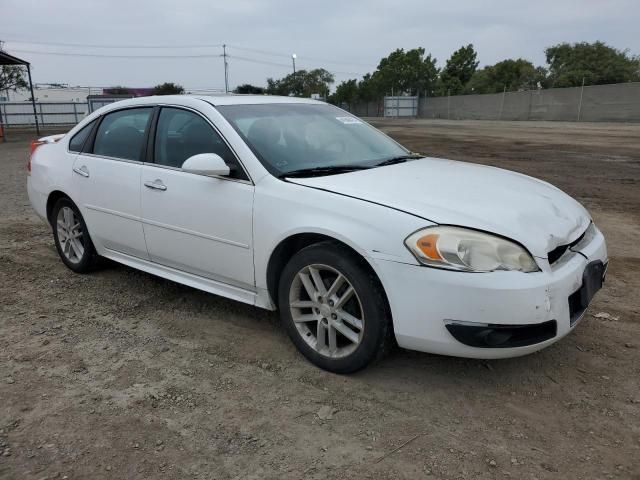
296	205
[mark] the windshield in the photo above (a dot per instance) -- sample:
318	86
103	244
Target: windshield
290	137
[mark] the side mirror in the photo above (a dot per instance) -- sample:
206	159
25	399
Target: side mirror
210	164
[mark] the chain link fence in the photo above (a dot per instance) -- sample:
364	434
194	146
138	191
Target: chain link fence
20	114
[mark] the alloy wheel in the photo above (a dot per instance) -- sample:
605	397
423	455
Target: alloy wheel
326	311
70	235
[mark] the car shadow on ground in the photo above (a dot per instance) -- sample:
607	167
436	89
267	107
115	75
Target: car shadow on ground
204	315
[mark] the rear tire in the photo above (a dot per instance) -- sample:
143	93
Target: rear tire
334	308
72	238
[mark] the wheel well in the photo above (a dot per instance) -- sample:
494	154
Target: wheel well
51	201
292	245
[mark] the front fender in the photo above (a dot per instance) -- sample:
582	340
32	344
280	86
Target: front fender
285	209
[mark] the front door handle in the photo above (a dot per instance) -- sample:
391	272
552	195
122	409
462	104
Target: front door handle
156	185
83	171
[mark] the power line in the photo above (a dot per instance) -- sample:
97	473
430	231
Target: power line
185	56
80	45
109	55
262	62
274	54
143	47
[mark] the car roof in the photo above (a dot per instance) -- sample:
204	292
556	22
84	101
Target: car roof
235	99
223	99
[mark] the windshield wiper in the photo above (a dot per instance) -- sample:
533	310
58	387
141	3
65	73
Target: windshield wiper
399	159
320	171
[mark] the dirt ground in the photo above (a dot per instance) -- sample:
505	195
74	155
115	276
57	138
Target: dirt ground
119	374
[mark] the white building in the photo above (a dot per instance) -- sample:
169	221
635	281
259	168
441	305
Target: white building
49	93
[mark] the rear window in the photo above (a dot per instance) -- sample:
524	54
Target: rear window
79	139
121	134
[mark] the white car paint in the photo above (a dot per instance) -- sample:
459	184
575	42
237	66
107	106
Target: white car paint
486	198
218	234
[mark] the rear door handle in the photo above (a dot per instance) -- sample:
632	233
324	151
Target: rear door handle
83	171
156	185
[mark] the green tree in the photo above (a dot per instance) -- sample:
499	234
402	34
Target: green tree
404	72
12	77
168	88
367	89
515	75
346	92
303	83
458	71
596	62
248	88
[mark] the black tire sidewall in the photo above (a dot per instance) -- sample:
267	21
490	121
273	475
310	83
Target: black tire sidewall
88	258
367	286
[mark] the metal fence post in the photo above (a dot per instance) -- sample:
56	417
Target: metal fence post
2	130
504	92
449	104
580	103
75	112
41	115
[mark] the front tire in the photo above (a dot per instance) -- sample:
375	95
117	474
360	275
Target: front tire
72	238
333	308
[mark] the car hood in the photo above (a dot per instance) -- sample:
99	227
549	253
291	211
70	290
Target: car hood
534	213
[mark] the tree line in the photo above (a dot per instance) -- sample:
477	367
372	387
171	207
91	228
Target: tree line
416	72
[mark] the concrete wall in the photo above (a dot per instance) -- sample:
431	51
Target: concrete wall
600	103
366	109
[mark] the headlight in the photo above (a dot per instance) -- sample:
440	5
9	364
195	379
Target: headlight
468	250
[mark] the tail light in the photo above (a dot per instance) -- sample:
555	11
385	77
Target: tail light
35	144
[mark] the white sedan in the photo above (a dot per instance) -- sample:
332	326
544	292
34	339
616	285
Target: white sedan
296	205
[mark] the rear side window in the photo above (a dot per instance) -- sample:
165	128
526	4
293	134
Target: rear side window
78	140
121	134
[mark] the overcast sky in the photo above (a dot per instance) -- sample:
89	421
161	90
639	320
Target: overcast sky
345	37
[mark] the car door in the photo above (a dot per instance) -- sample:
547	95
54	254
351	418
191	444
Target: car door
106	177
196	223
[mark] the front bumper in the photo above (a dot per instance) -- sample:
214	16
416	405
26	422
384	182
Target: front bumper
425	300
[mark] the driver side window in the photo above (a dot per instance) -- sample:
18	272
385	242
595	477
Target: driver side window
181	134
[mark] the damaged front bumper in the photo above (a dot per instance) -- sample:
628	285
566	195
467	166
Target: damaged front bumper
492	315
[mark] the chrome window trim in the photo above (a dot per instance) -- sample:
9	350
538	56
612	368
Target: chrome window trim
99	119
231	149
176	169
105	157
153	164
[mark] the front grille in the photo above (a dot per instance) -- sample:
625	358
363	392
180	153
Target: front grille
555	254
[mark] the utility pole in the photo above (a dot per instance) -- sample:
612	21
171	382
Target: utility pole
226	69
293	57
